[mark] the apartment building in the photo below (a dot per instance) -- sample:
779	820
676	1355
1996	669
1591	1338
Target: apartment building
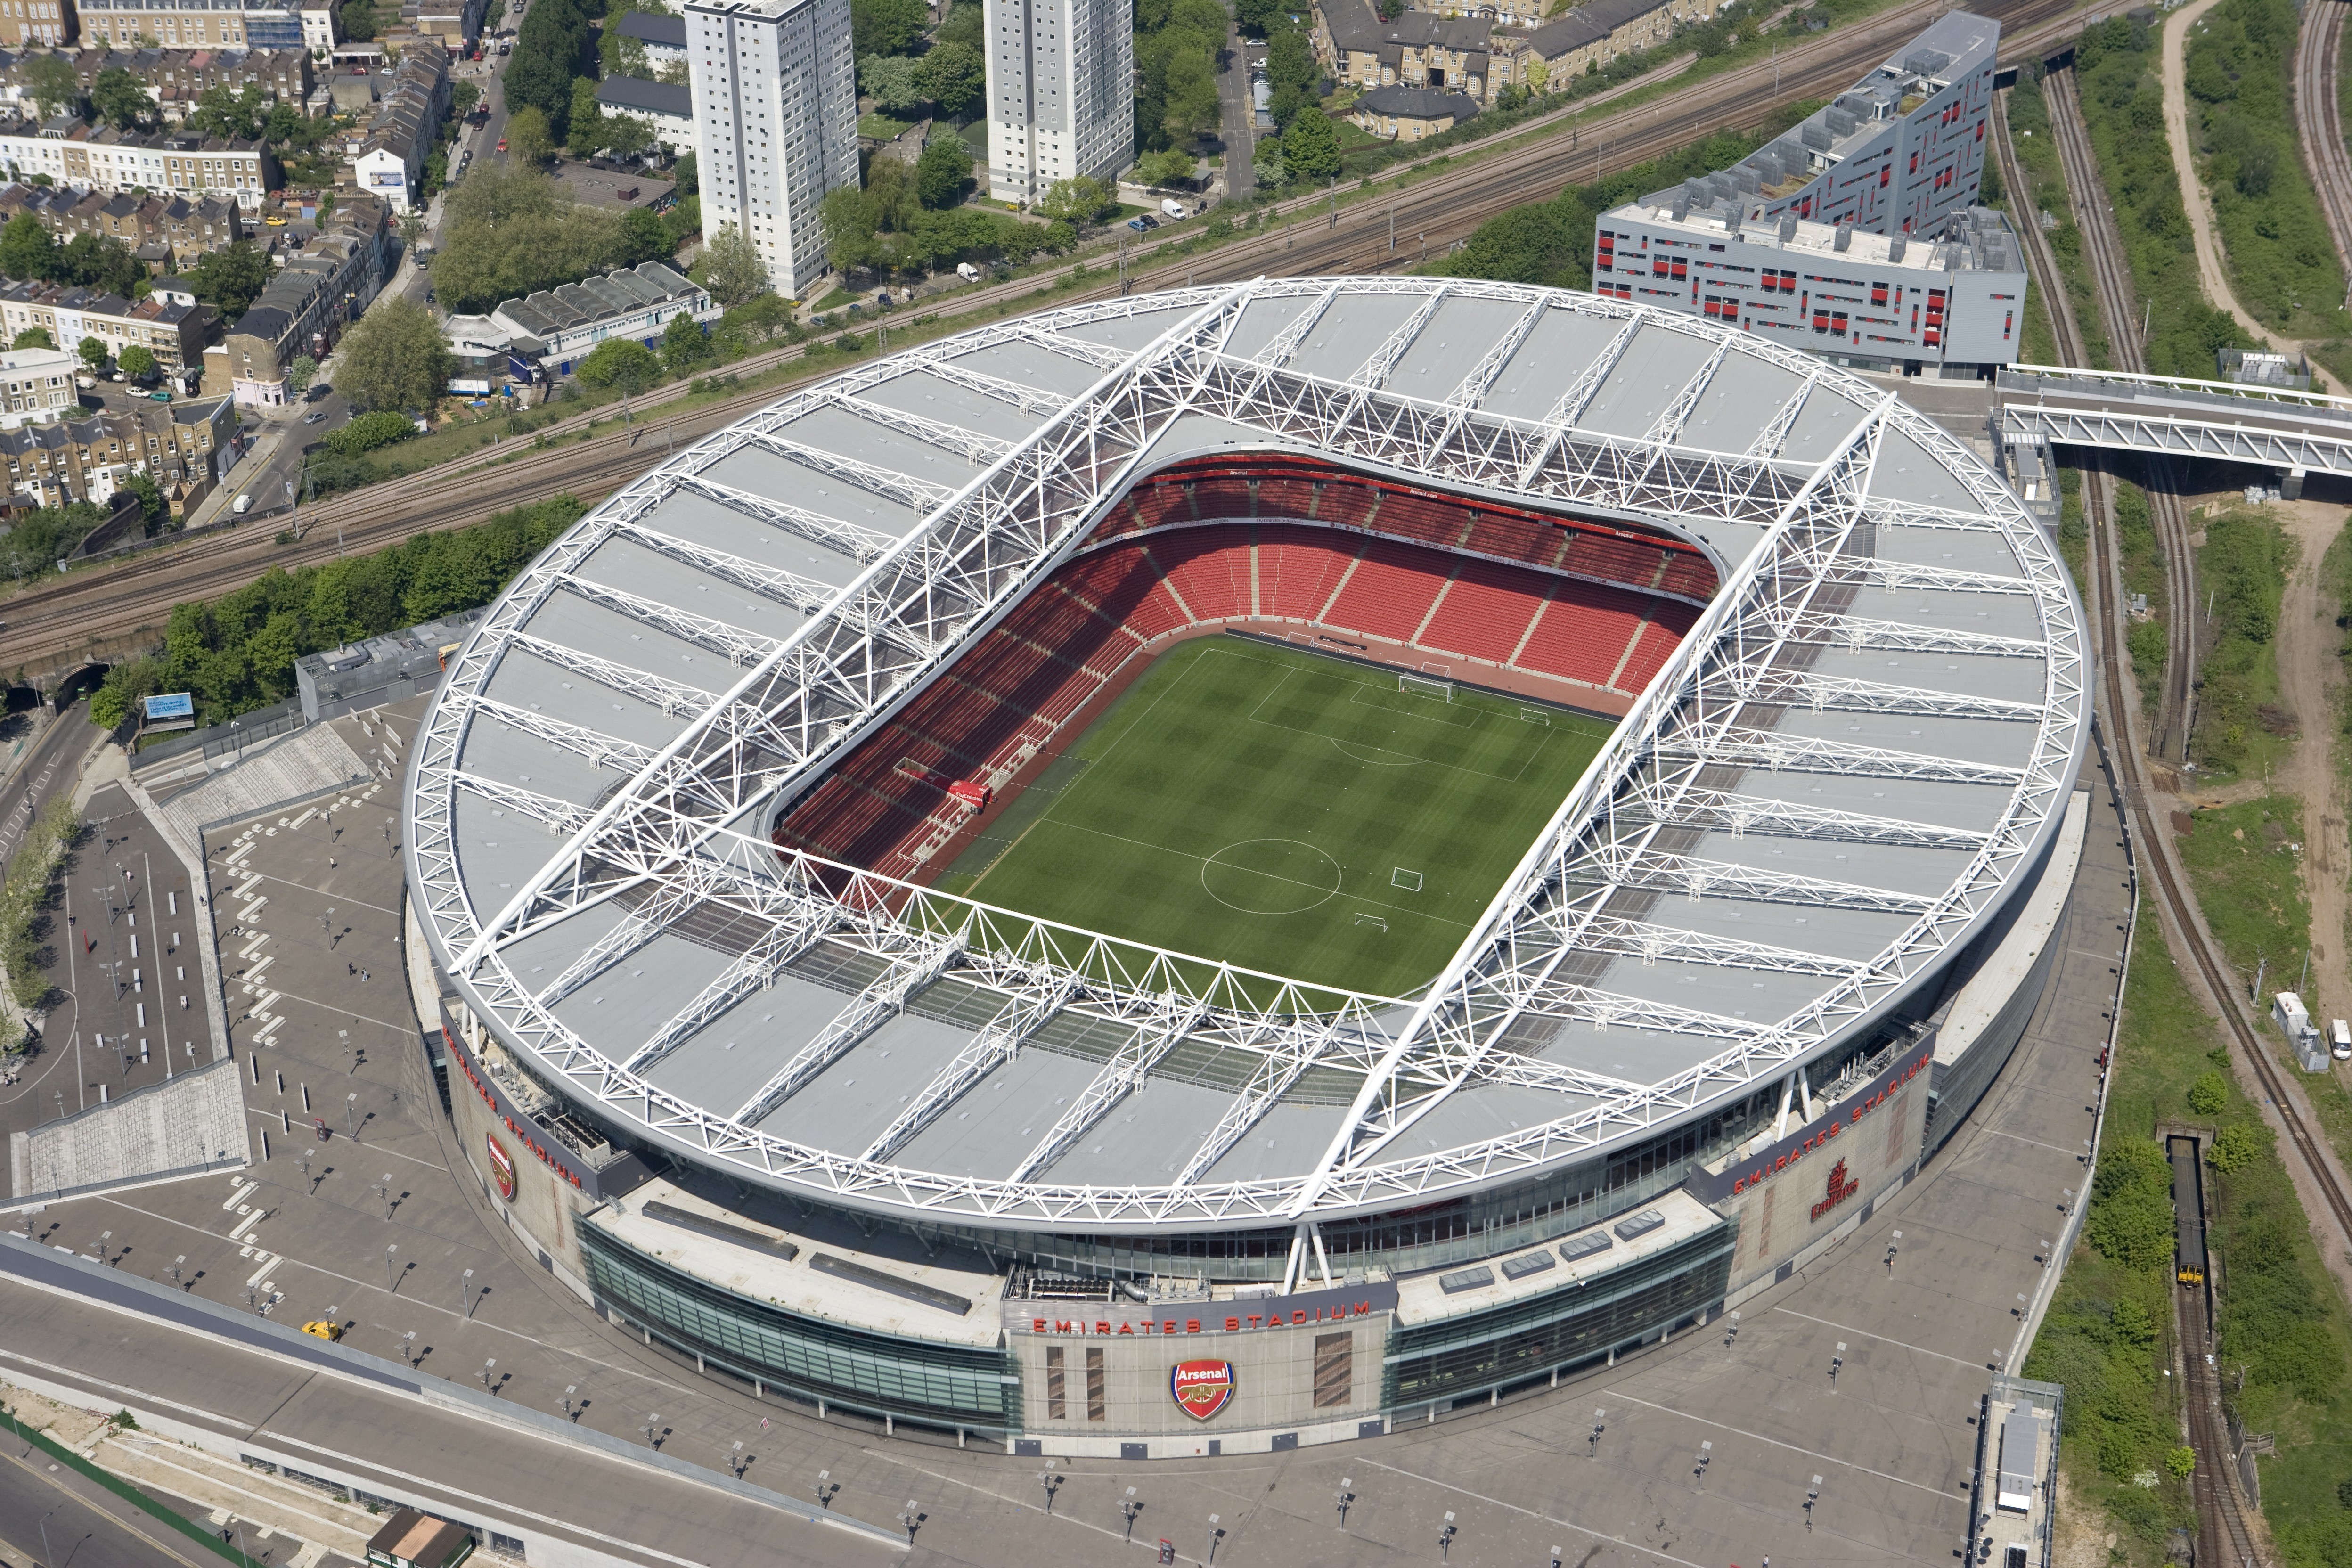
175	332
1419	50
165	232
184	446
776	106
390	162
190	24
36	384
109	159
663	39
44	24
176	77
668	109
1856	235
304	307
1590	38
1061	100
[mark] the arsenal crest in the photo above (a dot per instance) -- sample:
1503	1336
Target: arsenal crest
1202	1387
502	1170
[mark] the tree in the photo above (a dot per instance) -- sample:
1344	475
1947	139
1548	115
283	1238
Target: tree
121	99
766	314
621	362
885	27
890	80
647	236
1289	62
25	249
359	20
395	358
1310	149
966	24
943	172
93	353
2208	1096
731	269
300	375
686	175
234	113
137	361
1538	73
1165	168
367	432
154	508
530	136
586	127
683	344
52	83
228	279
627	135
1257	17
462	96
954	76
34	338
1191	98
1075	200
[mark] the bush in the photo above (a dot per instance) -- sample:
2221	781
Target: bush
25	898
621	362
367	432
2207	1096
2238	1145
2130	1219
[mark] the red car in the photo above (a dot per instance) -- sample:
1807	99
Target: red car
502	144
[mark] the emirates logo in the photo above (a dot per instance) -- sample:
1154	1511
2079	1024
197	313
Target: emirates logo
1841	1188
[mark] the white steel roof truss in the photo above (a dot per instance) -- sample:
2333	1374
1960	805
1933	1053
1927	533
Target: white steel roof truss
963	442
1623	864
667	695
648	922
1155	1036
602	750
562	816
891	484
871	1008
1668	428
1844	694
1650	942
1375	370
1276	1072
1026	1011
1775	434
1721	741
789	588
1677	804
1839	629
863	545
1569	407
723	638
747	974
1028	399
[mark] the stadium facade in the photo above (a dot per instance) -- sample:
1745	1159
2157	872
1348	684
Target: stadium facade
758	1090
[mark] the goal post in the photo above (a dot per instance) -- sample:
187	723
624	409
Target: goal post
1426	686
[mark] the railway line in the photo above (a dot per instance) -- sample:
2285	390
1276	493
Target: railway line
2319	120
1301	236
2192	1310
2112	281
2227	1535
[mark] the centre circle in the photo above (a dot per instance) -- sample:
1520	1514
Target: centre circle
1270	876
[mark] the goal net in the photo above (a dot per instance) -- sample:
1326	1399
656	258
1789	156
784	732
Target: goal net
1409	880
1426	686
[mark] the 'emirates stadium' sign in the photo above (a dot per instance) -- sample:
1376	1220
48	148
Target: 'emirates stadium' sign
1202	1387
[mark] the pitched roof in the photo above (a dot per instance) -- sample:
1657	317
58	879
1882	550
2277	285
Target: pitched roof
1419	102
650	28
634	94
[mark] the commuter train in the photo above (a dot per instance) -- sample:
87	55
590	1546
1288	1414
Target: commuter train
2188	1212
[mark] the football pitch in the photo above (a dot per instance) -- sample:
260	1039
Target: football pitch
1285	812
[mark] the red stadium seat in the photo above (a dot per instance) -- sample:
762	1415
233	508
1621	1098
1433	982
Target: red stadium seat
1486	613
1583	632
1389	592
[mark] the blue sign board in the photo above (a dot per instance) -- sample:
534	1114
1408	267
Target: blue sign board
177	705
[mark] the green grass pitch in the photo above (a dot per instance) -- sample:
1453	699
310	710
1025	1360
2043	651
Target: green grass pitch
1285	812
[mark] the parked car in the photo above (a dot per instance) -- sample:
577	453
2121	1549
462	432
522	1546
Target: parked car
314	416
328	1331
274	221
1143	224
159	397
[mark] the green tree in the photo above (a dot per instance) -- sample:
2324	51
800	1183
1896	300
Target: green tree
1077	200
1311	149
966	24
2130	1217
462	96
530	136
885	27
25	249
683	344
121	99
52	83
2208	1095
2238	1145
954	76
730	268
621	362
686	175
137	361
766	314
627	135
1166	167
397	357
1289	62
92	352
943	172
584	131
1191	100
228	278
33	338
231	112
359	20
1258	17
645	236
301	374
367	432
2182	1463
890	80
152	507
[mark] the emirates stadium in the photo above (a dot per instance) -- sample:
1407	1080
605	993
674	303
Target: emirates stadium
1230	868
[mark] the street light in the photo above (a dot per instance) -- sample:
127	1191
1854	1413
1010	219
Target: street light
387	1264
735	1459
1592	1438
1837	1361
350	1113
1812	1496
1342	1497
407	1349
1129	1506
1049	1481
1210	1556
653	1424
485	1373
1705	1457
1445	1537
826	1488
912	1518
569	1390
176	1262
1732	1333
466	1293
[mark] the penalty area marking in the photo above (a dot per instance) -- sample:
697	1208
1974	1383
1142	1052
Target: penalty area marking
1409	880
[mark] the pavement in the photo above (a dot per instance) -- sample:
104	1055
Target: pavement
379	1233
1237	112
82	1523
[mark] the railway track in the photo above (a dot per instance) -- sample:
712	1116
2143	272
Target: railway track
92	607
2228	1536
2319	121
2112	283
2224	1537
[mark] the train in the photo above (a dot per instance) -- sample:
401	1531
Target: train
2188	1212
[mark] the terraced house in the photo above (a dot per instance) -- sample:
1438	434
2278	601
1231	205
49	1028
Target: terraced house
176	77
184	448
174	332
1419	48
108	159
191	23
165	232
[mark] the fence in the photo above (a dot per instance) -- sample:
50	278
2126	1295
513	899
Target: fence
126	1491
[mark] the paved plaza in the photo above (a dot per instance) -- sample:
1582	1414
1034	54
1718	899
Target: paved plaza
377	1228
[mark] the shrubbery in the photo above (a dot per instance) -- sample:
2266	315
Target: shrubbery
367	432
25	898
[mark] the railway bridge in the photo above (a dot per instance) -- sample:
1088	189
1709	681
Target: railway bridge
2294	432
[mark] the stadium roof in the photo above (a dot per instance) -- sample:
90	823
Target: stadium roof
1862	745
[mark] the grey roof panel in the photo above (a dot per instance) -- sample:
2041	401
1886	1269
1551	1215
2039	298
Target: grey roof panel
868	440
1738	398
1558	346
1963	674
927	396
1348	333
1856	934
622	563
714	525
1136	329
591	628
539	959
627	1005
1263	319
1827	418
854	1098
1905	472
762	473
1956	549
1009	1111
495	751
529	682
1029	364
1450	345
498	851
1640	1055
726	1061
1287	1141
1654	370
1147	1136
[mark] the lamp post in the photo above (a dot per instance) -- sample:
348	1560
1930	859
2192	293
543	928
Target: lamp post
466	1293
826	1488
1592	1438
1049	1481
1342	1497
569	1390
1445	1538
388	1252
1208	1558
1129	1507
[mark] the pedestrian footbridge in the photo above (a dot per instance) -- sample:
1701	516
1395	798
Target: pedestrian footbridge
2293	432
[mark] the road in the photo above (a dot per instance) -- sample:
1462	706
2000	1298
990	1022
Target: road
1294	240
85	1526
1238	115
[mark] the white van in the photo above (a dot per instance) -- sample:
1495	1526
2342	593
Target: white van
244	504
2340	1041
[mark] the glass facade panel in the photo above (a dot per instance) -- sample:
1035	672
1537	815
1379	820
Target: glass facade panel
857	1368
